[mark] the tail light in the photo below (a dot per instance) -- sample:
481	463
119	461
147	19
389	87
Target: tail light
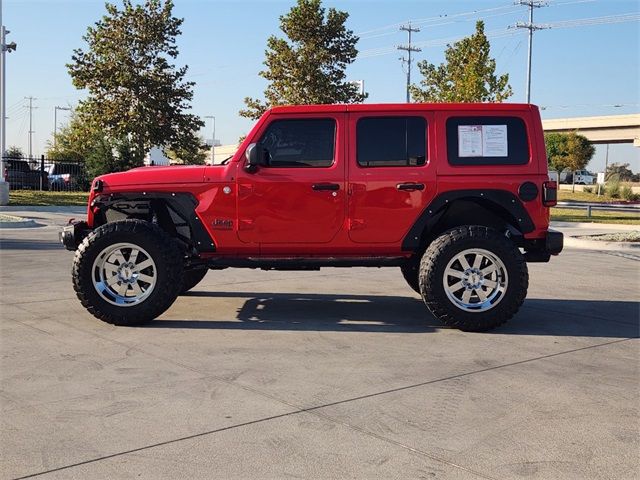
550	194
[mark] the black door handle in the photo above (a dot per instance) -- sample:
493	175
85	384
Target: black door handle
326	186
410	186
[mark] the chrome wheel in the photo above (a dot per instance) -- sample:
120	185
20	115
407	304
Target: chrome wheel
475	280
124	274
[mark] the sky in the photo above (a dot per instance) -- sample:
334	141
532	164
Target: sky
578	70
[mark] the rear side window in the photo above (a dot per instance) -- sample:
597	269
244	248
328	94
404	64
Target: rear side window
300	143
391	141
487	141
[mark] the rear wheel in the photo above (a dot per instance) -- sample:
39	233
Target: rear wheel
473	278
127	272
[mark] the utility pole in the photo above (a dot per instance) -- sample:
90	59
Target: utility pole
31	131
55	123
213	138
409	48
4	48
531	27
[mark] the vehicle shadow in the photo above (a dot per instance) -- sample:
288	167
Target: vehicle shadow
383	313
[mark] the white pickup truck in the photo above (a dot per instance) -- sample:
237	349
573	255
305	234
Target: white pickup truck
582	177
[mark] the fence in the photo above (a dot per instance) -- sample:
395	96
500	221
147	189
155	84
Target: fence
45	174
594	207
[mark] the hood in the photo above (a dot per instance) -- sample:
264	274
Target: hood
155	176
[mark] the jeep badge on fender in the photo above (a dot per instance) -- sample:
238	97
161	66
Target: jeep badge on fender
455	195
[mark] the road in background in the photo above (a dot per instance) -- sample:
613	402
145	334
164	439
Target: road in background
331	374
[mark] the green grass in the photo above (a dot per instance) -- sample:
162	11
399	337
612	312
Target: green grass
580	215
40	199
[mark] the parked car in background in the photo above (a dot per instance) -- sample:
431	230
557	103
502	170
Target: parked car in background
67	176
582	177
19	174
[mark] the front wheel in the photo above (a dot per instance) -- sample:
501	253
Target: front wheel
127	272
192	278
473	278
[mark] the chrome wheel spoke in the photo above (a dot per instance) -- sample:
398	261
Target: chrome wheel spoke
117	255
456	286
110	268
122	289
490	283
136	289
454	273
477	261
490	269
142	265
463	262
111	281
482	295
145	278
133	255
466	296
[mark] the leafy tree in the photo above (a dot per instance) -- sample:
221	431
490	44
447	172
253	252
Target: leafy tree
14	152
468	74
308	67
568	150
135	93
623	172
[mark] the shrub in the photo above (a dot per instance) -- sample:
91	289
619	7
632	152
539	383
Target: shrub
613	186
588	189
627	194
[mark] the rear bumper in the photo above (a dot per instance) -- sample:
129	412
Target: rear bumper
71	235
540	250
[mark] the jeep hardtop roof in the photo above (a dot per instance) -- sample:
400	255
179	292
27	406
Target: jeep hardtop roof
389	107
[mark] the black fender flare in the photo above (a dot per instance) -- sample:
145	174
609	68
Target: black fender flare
183	204
500	199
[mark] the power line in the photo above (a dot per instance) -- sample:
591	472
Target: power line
409	49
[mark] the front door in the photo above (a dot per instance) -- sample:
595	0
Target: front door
299	196
391	177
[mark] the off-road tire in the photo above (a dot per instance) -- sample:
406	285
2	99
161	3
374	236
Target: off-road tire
191	278
450	244
160	246
411	273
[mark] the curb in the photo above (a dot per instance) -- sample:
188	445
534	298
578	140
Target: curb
604	226
18	222
600	245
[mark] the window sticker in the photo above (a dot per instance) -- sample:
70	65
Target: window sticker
469	140
482	141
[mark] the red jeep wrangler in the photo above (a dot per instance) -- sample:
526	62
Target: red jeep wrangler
456	195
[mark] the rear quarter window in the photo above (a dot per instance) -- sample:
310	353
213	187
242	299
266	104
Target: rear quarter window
479	140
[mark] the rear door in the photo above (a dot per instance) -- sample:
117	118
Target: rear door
299	197
391	173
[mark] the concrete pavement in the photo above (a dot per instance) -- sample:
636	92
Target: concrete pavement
333	374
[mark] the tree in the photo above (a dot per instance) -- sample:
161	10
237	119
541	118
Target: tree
468	74
623	171
14	152
568	150
135	95
309	66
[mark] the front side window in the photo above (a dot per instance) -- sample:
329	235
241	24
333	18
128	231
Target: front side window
300	143
391	141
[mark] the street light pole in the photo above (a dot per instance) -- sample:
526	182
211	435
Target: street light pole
4	48
55	123
213	138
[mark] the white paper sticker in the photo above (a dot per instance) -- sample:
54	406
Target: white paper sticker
469	140
494	141
482	141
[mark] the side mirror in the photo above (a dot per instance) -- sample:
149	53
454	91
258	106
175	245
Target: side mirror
255	157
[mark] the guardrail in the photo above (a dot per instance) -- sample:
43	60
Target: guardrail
589	207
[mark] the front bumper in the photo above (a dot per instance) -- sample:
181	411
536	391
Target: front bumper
540	250
72	234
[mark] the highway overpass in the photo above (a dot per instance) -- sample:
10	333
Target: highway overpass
607	129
